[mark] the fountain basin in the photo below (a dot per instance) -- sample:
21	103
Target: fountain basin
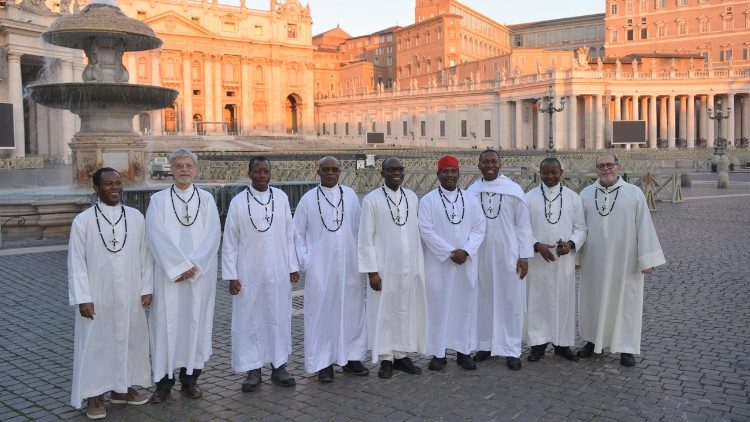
79	96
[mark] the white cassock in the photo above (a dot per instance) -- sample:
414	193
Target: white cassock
451	288
618	246
110	351
181	316
502	294
335	330
396	315
259	252
551	286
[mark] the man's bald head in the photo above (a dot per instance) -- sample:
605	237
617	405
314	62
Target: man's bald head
329	171
328	161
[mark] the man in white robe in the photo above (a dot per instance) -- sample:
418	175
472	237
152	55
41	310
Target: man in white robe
326	223
558	229
183	232
259	260
109	280
390	252
452	228
621	247
503	263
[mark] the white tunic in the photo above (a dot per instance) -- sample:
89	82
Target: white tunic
262	262
618	247
110	351
451	288
181	316
551	286
502	294
396	315
335	330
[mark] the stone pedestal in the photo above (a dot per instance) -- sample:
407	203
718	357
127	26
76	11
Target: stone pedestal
123	151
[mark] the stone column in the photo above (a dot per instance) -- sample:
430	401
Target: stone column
541	133
703	121
683	118
15	95
187	93
635	113
663	118
671	129
572	122
730	120
495	124
559	130
588	116
208	92
711	124
246	124
505	126
746	117
690	121
653	134
218	94
156	115
599	110
519	141
618	108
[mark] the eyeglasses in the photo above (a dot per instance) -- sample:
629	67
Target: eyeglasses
181	166
608	166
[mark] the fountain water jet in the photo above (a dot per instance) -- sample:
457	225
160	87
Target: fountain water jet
104	101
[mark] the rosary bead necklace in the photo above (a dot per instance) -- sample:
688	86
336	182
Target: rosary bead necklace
452	216
339	208
389	201
114	240
602	210
489	211
187	217
268	218
548	205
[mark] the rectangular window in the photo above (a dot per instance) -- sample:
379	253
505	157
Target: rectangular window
258	30
230	27
406	127
196	92
704	25
464	130
487	128
388	128
681	28
662	30
442	128
518	40
746	53
324	129
423	128
335	127
613	9
630	34
346	128
359	128
661	4
725	55
644	33
628	7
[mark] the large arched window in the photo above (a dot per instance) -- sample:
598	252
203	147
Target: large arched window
259	75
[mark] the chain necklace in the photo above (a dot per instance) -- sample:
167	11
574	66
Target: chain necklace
267	217
548	205
339	212
114	240
187	217
488	212
603	209
389	201
452	216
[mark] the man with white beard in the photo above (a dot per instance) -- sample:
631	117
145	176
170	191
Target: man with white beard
258	259
558	229
452	228
109	280
503	263
390	252
621	247
183	231
326	224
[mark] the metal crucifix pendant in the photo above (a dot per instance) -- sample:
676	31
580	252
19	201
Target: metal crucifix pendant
114	243
604	207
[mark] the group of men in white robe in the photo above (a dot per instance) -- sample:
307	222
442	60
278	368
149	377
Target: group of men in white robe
446	272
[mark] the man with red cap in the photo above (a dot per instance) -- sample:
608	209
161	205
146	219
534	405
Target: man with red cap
452	228
503	263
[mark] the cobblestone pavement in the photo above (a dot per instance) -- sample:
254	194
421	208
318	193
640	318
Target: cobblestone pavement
694	365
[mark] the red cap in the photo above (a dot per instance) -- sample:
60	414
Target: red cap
448	161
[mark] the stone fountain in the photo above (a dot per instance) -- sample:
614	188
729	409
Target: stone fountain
104	101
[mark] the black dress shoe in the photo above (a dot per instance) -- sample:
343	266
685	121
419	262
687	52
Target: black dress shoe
406	365
386	369
513	363
566	352
627	359
325	375
465	361
482	355
537	352
586	351
355	367
281	377
252	380
437	364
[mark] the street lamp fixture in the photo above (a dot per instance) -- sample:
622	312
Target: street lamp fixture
550	109
719	115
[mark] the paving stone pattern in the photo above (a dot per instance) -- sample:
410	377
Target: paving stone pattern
695	363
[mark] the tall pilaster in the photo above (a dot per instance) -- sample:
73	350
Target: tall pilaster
560	131
246	92
671	129
653	134
731	119
690	99
519	140
572	107
208	92
589	122
710	132
187	93
618	108
541	124
218	93
634	105
505	125
15	95
683	118
746	117
599	110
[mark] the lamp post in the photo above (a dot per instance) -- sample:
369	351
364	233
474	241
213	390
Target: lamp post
550	109
719	115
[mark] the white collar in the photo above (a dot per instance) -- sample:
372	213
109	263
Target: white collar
256	192
553	190
184	192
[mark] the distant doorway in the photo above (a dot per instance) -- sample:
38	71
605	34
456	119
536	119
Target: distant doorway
230	118
293	108
198	122
170	121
